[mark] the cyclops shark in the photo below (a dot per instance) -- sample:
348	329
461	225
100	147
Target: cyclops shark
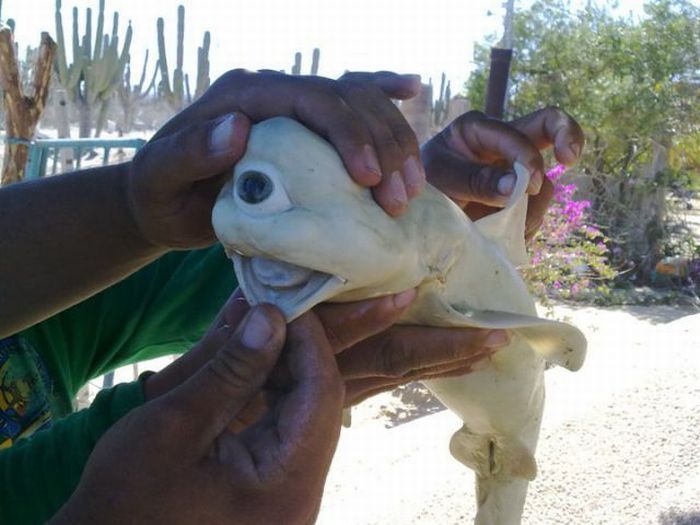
301	232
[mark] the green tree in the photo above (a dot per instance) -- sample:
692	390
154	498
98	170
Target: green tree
634	85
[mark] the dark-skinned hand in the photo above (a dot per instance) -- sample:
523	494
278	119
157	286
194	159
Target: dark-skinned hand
175	178
373	354
470	159
175	461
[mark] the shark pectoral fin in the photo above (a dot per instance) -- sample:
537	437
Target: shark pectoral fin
506	228
559	343
493	456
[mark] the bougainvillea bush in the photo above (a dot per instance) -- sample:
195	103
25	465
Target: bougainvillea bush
569	255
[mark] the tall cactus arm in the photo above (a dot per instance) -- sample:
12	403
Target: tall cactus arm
100	29
180	35
152	84
139	86
162	59
116	72
203	66
87	39
296	68
61	63
178	74
315	59
188	94
77	52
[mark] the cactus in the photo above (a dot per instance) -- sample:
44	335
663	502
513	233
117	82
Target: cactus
203	66
97	70
428	117
178	94
130	96
315	59
441	108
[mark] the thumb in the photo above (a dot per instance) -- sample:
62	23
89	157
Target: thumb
195	153
212	397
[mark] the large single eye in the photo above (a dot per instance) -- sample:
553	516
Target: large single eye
258	190
254	187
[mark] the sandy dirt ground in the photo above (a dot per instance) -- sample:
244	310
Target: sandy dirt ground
620	442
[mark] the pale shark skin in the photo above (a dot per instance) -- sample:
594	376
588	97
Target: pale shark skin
316	218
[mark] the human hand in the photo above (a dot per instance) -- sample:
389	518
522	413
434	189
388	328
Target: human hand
174	460
470	159
175	178
376	355
373	354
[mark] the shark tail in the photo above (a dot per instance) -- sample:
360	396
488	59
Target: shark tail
503	467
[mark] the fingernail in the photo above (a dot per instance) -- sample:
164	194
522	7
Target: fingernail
397	189
482	364
536	180
506	184
221	137
371	162
497	338
257	330
413	177
575	149
403	299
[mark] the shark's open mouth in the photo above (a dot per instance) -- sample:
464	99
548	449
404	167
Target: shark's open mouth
293	289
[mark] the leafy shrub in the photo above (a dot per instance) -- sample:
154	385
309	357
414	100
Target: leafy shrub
569	255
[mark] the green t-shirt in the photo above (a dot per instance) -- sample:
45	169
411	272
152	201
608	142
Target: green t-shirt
162	309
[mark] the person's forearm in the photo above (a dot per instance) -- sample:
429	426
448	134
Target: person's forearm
63	239
38	474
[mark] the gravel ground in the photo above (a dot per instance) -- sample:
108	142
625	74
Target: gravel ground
620	441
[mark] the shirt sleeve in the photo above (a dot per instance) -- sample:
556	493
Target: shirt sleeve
39	474
164	308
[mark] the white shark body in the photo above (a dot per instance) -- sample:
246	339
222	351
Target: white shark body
301	232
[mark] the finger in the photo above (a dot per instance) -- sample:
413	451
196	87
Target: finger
402	349
395	142
392	84
196	152
552	126
465	181
359	390
536	209
489	141
303	430
213	397
310	100
177	372
249	414
194	161
399	152
349	323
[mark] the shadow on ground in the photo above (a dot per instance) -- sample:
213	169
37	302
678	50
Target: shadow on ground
679	518
654	314
416	401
